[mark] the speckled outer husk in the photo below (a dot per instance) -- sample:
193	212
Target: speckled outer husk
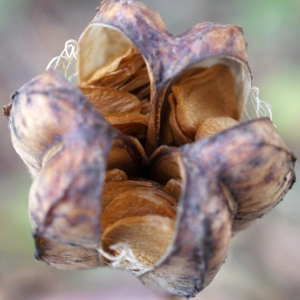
254	164
229	179
64	207
166	55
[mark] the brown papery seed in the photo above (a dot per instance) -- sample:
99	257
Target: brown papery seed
108	100
126	154
178	136
137	202
115	175
119	70
147	236
131	124
210	126
143	93
139	79
173	188
209	93
114	188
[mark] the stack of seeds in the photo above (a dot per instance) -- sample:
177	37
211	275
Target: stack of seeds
201	101
121	92
140	213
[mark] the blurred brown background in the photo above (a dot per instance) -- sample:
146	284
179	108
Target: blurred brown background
263	261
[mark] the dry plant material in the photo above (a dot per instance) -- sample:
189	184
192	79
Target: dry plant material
117	91
131	124
173	188
213	125
137	202
147	236
115	175
113	189
208	93
109	101
145	165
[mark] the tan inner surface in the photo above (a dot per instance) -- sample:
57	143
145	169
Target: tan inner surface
198	94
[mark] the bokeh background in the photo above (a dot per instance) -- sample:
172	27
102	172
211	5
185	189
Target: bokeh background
263	261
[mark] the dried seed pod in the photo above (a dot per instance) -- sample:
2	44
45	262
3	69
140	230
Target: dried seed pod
167	213
119	25
68	218
250	154
32	136
65	217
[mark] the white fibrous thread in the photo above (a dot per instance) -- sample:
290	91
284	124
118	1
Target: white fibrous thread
65	59
262	108
125	259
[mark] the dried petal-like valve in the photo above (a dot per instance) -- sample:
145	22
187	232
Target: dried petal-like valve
145	164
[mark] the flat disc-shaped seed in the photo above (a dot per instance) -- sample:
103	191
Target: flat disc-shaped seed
126	154
210	93
139	79
178	136
145	109
165	164
173	188
211	126
114	188
114	79
189	73
109	74
134	61
132	124
143	93
137	202
115	175
147	236
108	100
122	70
